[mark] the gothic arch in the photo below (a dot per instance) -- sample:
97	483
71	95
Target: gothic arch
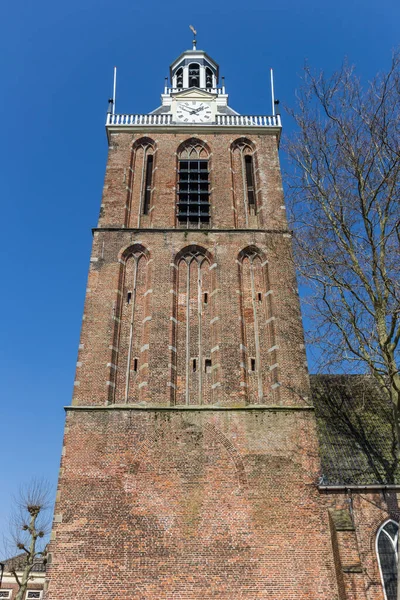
192	373
132	326
193	147
192	250
144	142
245	182
258	348
245	144
140	180
252	252
130	249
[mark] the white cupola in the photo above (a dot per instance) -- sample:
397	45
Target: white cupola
194	77
194	69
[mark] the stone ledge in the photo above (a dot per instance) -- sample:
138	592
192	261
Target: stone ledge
343	489
254	407
352	569
184	230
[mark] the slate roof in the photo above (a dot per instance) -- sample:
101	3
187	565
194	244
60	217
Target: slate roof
356	431
18	562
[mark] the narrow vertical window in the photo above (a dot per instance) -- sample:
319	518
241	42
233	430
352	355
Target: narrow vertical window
140	181
194	75
147	185
209	78
257	335
250	184
386	549
245	195
207	365
133	329
179	78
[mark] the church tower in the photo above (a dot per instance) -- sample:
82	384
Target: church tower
190	455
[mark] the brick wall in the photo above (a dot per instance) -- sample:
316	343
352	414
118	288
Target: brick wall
190	504
160	498
102	360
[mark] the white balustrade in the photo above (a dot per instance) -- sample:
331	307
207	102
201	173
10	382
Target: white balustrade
220	120
249	120
160	119
172	90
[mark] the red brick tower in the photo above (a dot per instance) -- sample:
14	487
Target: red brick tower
190	454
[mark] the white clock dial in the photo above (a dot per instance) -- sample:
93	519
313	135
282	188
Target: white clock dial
194	112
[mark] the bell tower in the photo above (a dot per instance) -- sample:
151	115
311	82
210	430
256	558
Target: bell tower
190	452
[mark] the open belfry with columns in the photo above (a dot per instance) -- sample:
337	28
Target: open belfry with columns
190	467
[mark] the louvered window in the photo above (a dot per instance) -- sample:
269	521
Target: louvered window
147	186
193	191
248	160
194	75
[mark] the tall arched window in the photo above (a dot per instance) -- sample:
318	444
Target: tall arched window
193	184
194	75
134	324
259	361
386	550
142	185
244	183
193	326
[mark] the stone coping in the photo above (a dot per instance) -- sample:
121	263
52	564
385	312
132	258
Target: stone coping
185	230
254	407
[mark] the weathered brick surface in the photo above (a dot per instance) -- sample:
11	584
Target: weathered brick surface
191	504
101	311
101	364
218	501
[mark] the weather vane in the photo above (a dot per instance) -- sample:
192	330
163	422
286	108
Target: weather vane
194	33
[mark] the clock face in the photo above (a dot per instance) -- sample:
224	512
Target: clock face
194	112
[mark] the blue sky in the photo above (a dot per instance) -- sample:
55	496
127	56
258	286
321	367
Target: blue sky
57	61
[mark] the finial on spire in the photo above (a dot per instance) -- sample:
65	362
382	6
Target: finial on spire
194	33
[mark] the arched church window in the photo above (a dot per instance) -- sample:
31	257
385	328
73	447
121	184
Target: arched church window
246	154
193	372
133	329
209	78
193	185
179	78
386	550
143	168
194	75
259	358
244	184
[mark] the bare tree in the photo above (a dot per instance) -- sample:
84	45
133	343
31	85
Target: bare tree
29	529
344	193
